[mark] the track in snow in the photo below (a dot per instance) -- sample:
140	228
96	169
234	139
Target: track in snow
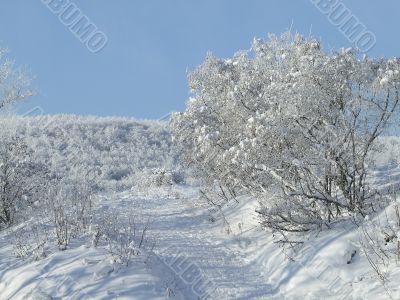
182	235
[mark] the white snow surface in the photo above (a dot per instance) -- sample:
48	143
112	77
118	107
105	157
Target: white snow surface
245	264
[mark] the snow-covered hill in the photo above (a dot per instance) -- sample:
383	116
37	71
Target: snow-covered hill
113	148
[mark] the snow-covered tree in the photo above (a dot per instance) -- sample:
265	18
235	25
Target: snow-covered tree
22	179
14	83
288	118
18	174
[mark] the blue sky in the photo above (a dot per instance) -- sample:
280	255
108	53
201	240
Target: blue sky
142	70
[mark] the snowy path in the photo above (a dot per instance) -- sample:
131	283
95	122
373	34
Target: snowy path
188	247
183	234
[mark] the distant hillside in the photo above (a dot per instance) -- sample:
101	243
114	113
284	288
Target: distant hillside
113	148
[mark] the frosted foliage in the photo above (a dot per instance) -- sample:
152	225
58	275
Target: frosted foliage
14	83
288	117
107	151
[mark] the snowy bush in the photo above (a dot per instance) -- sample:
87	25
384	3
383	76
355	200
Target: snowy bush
31	241
124	235
69	203
22	179
14	84
380	239
288	118
159	177
19	175
159	182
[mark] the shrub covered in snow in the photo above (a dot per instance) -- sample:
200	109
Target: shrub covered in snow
23	180
290	118
68	203
124	235
20	175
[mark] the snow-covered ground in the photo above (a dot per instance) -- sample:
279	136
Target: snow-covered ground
193	257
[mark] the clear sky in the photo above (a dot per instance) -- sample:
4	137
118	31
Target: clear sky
142	70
